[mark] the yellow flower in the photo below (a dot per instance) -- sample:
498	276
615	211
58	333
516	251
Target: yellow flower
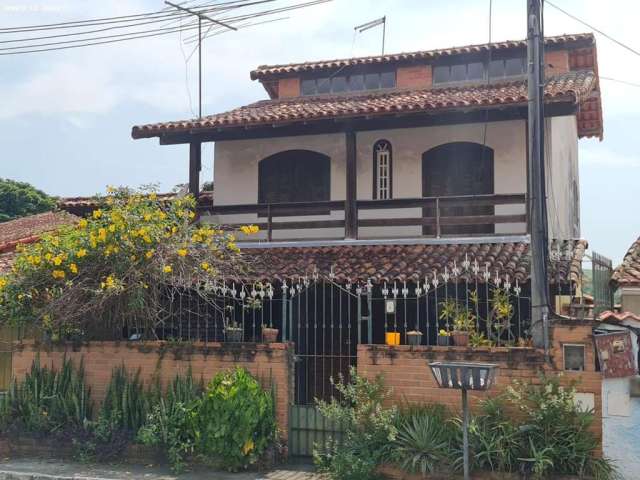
182	252
57	260
248	447
147	217
97	213
153	196
167	269
204	266
149	253
73	267
58	274
147	239
109	282
112	228
81	253
192	215
102	234
245	229
3	283
83	223
254	228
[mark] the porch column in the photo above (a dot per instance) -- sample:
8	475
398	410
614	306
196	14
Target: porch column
350	208
195	165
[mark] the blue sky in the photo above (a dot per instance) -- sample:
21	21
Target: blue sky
65	117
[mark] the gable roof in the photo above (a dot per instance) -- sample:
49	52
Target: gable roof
574	87
265	72
627	274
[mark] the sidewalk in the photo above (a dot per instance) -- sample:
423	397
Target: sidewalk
33	469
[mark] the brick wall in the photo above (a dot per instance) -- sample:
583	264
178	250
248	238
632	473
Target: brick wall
289	87
417	76
406	371
268	362
556	62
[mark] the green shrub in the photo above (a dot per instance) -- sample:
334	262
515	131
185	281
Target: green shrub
236	420
125	405
368	428
48	400
424	440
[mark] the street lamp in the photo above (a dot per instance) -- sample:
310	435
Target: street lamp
464	376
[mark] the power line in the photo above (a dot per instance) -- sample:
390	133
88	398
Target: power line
623	45
625	82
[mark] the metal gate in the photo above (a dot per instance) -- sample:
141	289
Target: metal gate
602	269
324	320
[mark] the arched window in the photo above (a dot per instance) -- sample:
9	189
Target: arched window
294	176
382	170
459	168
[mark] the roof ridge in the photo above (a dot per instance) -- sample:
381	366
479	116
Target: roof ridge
263	70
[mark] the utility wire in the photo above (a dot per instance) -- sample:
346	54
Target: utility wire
625	82
623	45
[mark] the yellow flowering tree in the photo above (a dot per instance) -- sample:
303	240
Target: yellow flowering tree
117	264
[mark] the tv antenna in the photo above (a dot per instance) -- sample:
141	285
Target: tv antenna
200	17
374	23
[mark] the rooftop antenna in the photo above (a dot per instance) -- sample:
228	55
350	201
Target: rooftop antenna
374	23
200	17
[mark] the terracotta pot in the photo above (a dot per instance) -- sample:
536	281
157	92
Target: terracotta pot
270	335
414	337
444	340
460	339
233	334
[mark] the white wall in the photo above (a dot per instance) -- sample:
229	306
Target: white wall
562	173
630	299
236	168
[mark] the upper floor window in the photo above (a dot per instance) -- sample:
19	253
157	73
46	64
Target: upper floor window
382	170
502	68
349	83
294	176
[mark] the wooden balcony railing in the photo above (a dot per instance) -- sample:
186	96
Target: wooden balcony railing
436	213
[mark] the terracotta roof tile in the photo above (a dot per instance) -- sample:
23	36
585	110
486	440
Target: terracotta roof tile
6	260
575	86
609	316
627	274
406	262
24	229
268	71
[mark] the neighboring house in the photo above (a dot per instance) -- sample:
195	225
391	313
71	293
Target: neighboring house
626	278
383	186
22	231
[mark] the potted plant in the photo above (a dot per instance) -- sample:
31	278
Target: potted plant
233	331
269	334
463	325
414	337
444	338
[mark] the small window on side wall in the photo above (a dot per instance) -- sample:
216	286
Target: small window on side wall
573	356
382	170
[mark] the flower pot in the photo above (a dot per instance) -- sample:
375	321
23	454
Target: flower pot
270	335
414	337
460	339
443	340
392	338
233	334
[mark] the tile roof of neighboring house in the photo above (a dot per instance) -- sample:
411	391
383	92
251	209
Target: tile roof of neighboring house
28	230
575	87
405	262
628	272
609	316
84	205
268	71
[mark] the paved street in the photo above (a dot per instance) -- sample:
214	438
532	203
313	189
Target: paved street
27	469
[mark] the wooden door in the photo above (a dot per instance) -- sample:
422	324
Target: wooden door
456	169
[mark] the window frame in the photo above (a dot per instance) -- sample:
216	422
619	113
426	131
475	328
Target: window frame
325	81
485	74
564	357
375	194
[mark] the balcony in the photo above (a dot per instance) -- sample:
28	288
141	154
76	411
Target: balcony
435	217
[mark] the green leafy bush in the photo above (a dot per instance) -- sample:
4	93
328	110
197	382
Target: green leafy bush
48	400
236	420
424	440
126	403
368	428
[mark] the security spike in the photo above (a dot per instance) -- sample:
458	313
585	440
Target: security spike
466	263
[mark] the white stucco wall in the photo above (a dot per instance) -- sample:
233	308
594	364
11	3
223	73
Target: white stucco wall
236	168
562	177
630	299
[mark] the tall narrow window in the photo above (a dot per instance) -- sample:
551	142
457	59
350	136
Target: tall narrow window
382	170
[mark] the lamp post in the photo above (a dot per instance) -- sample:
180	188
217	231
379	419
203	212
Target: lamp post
464	376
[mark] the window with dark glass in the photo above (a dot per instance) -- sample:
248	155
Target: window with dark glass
349	83
382	170
294	176
475	71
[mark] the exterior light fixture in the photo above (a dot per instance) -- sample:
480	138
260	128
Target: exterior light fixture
464	376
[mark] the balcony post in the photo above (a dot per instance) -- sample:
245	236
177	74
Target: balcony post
350	207
195	165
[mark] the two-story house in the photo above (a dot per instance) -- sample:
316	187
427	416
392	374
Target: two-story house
384	185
